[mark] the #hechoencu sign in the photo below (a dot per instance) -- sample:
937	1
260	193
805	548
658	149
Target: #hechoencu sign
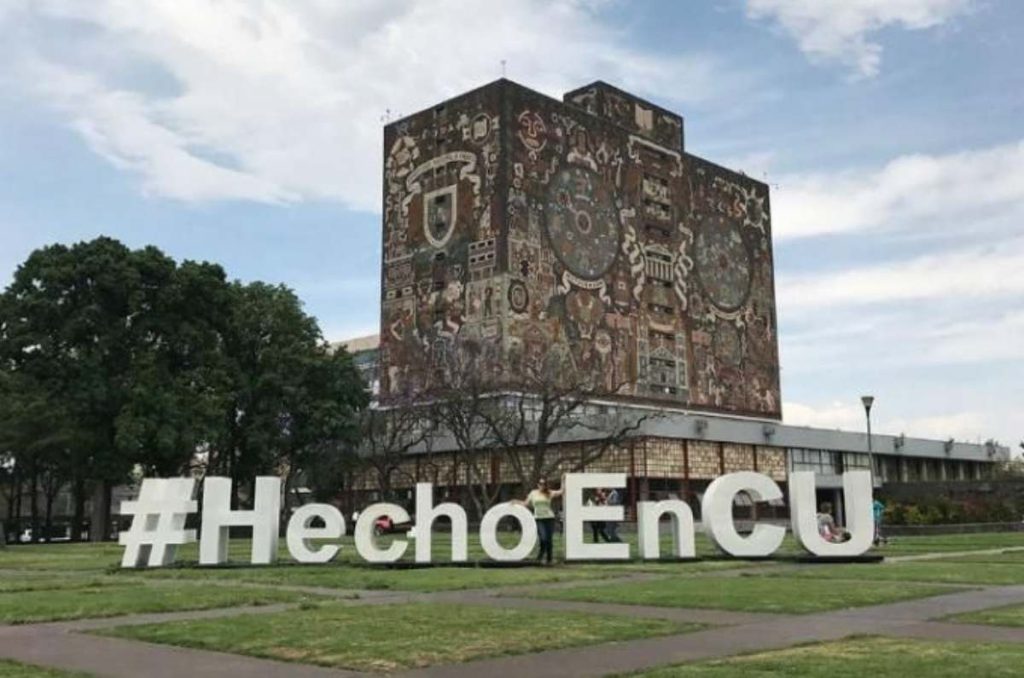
164	504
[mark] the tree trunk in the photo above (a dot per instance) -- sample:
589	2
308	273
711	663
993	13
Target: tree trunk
34	506
48	517
78	520
99	524
19	490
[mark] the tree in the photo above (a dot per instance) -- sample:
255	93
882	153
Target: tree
322	421
465	394
289	400
179	386
120	361
550	406
524	417
386	436
68	329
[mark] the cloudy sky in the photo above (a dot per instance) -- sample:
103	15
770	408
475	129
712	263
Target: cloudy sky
248	132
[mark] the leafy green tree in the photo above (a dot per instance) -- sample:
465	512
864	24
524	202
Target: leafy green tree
291	401
179	382
67	328
116	360
322	422
125	345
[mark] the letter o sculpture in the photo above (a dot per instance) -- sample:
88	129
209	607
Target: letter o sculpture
489	532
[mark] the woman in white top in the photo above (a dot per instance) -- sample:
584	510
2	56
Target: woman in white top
540	501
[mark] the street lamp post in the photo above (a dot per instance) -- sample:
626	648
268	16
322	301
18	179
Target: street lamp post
868	402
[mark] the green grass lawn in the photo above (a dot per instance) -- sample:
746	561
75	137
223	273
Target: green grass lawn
859	657
951	571
348	576
1010	557
64	557
392	637
946	543
48	581
103	598
9	669
1011	615
749	594
104	556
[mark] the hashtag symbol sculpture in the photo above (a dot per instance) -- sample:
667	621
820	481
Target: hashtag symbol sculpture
158	522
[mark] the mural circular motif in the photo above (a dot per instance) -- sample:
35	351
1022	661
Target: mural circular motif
518	297
582	223
723	263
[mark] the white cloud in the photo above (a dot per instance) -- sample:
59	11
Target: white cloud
990	271
282	100
846	417
964	426
121	127
917	193
839	30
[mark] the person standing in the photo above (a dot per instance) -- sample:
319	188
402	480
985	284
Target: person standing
597	527
878	508
539	500
611	528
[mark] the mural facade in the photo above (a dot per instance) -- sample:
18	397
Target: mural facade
528	226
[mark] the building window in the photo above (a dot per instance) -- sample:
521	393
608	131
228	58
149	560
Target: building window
823	462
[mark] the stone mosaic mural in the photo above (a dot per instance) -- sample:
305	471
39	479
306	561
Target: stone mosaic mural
530	226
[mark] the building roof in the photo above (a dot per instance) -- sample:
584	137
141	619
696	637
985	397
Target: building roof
370	342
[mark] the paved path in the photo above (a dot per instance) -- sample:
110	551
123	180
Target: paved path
65	646
778	631
938	555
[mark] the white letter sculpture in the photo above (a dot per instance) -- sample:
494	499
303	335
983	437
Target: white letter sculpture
576	513
218	518
158	525
489	532
299	533
366	545
716	510
648	517
860	521
427	513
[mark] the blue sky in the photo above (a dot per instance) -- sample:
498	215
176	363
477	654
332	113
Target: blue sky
248	133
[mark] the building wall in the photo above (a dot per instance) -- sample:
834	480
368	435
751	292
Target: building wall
643	458
582	230
441	224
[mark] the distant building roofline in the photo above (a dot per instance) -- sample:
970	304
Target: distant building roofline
370	342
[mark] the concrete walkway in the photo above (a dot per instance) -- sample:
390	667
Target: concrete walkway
65	645
773	632
938	555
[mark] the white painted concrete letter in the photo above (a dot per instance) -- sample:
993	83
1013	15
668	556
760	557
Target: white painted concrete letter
860	521
158	522
366	544
300	532
716	509
576	513
648	515
489	532
218	518
427	513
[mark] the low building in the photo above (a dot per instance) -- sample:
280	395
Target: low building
675	453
